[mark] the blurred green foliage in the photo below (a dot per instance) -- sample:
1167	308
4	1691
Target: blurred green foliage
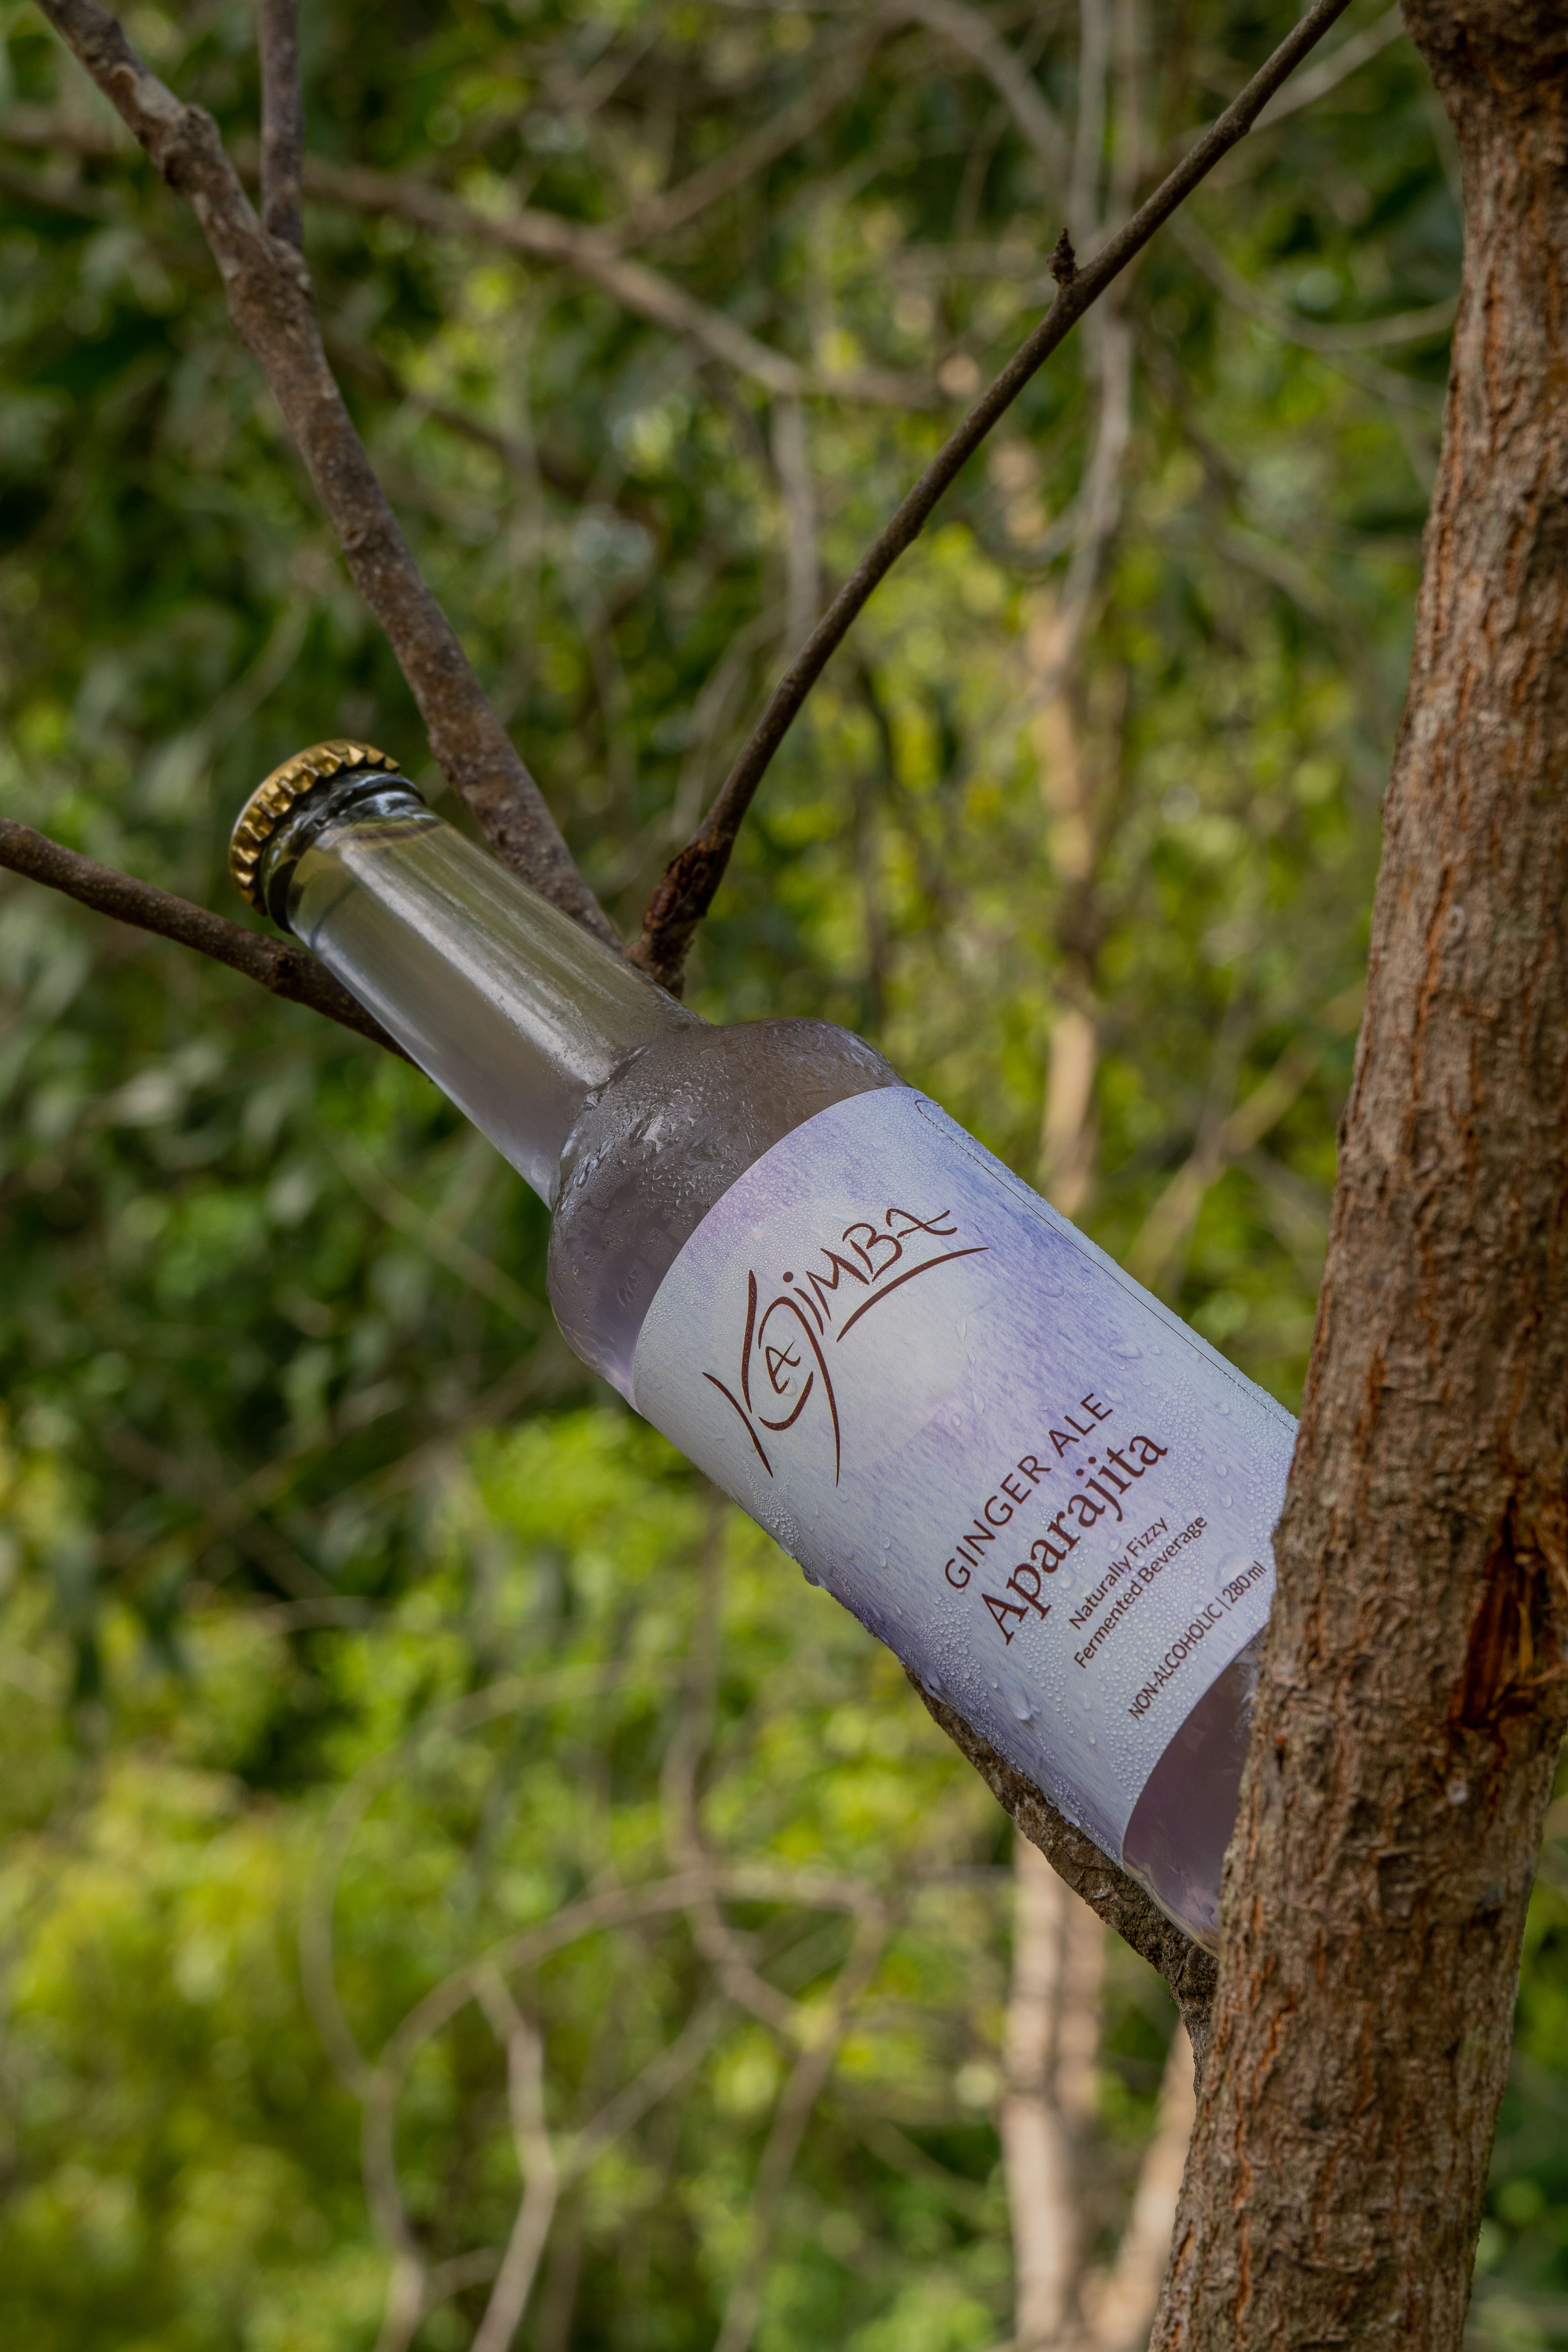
294	1460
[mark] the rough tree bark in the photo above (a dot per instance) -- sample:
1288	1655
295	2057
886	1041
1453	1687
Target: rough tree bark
1413	1694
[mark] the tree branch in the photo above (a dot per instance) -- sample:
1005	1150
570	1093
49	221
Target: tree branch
689	883
276	965
525	2047
273	306
1119	1900
592	253
282	122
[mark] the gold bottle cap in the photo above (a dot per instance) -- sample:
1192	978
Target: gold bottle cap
271	801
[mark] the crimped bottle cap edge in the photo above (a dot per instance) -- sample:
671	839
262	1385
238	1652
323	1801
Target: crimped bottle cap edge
278	793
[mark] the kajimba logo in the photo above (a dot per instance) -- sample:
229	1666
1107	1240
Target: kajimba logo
790	1326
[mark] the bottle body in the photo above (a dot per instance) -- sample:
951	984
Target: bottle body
1023	1474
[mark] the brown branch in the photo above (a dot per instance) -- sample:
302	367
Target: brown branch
689	883
282	123
591	253
1119	1900
276	965
273	309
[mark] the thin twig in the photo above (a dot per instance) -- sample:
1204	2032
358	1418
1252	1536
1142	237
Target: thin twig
273	309
1085	217
447	1249
808	2080
525	2047
723	1948
656	2080
276	965
1400	327
1099	504
1336	68
592	253
318	1971
282	122
687	890
792	464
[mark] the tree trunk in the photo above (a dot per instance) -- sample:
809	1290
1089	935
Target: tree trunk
1413	1694
1050	2054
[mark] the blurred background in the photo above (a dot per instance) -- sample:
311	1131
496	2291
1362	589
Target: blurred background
459	1888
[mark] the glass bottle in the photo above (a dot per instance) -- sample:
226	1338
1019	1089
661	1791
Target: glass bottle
1050	1497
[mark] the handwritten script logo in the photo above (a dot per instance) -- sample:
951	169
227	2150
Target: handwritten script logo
788	1336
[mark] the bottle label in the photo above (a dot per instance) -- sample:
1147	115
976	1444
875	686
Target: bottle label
1050	1497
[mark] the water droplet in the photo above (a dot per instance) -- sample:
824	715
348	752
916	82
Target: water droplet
1021	1707
810	1579
1227	1500
1125	1349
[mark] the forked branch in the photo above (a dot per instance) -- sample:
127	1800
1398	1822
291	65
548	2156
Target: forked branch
692	877
273	309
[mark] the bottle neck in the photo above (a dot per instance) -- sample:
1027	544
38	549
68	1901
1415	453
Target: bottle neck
516	1012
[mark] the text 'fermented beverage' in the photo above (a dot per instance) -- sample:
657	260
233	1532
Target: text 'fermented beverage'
1044	1492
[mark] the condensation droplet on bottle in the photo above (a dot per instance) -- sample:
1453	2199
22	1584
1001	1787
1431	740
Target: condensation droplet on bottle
1227	1500
1021	1707
1125	1348
810	1579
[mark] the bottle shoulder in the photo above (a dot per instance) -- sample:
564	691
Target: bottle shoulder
662	1142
